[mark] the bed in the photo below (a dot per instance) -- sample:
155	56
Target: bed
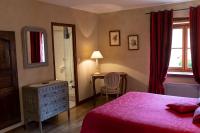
137	112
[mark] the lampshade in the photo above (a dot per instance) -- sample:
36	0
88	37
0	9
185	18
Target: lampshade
96	55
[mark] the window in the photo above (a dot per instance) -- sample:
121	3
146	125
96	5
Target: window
180	53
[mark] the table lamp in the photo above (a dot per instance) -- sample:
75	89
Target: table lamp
96	55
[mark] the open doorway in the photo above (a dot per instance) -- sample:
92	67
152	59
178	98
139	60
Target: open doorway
65	65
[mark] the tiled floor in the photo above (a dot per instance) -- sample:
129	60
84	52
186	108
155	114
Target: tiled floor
72	104
60	124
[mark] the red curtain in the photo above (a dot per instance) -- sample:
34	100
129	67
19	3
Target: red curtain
35	46
195	41
160	49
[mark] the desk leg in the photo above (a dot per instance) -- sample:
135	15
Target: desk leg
94	90
122	86
125	80
25	124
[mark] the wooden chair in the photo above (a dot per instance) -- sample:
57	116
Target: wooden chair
112	83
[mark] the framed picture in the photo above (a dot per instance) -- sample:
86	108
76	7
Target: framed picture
133	42
114	38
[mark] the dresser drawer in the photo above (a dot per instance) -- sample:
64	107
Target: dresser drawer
52	90
53	110
54	100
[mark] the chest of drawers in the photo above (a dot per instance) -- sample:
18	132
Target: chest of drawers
45	100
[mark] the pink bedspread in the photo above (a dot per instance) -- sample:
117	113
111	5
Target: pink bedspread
137	112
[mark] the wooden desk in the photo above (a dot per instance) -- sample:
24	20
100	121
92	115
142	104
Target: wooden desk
102	75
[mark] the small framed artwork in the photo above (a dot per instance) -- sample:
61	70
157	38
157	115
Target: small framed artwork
114	38
133	42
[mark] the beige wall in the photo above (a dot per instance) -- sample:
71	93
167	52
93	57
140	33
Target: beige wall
15	14
135	63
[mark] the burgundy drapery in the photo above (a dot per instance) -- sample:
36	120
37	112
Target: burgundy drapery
35	46
195	41
160	49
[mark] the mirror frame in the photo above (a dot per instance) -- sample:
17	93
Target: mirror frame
24	47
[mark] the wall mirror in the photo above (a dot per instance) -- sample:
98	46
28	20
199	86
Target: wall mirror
34	41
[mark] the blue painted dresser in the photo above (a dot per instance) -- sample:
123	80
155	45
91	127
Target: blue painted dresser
45	100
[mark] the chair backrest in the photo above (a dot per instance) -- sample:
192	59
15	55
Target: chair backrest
112	80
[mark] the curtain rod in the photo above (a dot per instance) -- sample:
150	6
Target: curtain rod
175	10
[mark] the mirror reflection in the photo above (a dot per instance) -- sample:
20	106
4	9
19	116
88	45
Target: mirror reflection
35	47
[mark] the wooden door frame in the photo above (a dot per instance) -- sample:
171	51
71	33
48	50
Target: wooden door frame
74	55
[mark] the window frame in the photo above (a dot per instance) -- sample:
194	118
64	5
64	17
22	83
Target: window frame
185	27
